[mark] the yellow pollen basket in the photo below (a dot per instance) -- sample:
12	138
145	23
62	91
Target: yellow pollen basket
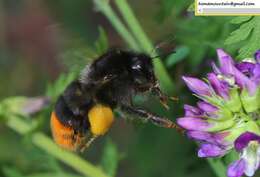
101	118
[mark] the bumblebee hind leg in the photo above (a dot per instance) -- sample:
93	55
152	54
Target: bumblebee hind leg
82	142
87	143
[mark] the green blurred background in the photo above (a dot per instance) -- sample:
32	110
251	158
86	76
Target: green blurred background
41	39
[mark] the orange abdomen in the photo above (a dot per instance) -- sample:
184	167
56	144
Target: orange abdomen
62	135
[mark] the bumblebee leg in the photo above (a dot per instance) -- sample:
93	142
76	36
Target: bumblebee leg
87	143
147	116
162	97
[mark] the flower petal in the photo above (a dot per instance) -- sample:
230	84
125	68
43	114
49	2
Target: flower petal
192	123
226	62
257	56
242	141
228	69
215	68
192	111
197	86
256	74
244	82
210	150
206	107
237	168
220	87
246	68
34	105
212	138
200	136
251	156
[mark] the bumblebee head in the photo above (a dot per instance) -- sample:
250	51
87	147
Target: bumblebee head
142	72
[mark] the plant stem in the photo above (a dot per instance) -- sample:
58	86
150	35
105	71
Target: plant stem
218	167
79	164
145	43
134	25
46	144
104	7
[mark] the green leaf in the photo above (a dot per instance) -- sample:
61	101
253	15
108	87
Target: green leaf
170	8
191	7
201	42
249	32
110	158
11	172
166	9
240	34
240	19
181	53
60	84
231	157
12	105
101	45
52	175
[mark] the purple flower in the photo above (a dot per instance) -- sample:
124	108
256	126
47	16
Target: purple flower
227	67
244	82
211	138
257	56
211	150
207	108
215	68
243	140
191	123
247	144
256	74
34	105
192	111
227	116
197	86
220	87
246	68
226	62
236	169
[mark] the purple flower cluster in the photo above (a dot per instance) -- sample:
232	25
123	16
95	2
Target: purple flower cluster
227	117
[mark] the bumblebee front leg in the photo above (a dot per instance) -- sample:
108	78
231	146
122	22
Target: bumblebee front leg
162	97
147	116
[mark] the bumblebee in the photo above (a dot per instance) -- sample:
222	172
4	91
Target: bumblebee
84	110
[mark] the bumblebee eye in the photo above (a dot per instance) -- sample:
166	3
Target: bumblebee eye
136	67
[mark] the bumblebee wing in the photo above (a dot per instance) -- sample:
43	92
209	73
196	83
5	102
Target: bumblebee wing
77	99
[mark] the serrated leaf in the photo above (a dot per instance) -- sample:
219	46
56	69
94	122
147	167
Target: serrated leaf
240	19
110	158
101	45
249	32
240	34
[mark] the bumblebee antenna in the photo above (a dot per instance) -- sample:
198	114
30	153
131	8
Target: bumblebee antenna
160	45
164	55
